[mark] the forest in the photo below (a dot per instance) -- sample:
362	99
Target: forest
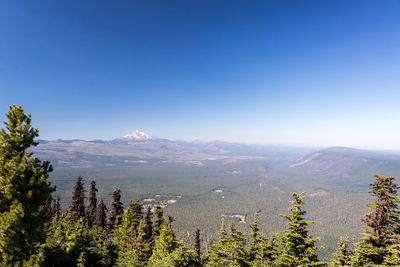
35	231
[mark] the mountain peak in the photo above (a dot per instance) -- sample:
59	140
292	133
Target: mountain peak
137	135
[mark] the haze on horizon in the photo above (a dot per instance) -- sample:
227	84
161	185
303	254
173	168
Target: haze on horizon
309	73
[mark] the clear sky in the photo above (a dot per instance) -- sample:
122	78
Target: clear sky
317	73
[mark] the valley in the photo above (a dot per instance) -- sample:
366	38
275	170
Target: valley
198	182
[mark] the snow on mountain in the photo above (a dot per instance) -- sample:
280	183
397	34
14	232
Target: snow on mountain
137	135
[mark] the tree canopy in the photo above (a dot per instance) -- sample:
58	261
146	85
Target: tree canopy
24	188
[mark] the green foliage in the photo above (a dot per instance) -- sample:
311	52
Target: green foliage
138	251
100	216
336	212
78	200
81	260
197	245
126	232
131	238
168	251
147	225
164	244
24	190
92	205
297	247
159	220
342	255
261	252
133	257
137	215
117	209
217	253
392	256
230	248
382	233
65	241
236	247
69	243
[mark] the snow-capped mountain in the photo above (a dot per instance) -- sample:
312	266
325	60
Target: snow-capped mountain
137	135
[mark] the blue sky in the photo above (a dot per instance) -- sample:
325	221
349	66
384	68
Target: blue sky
317	73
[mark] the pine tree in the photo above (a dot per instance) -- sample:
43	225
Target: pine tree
48	208
236	253
142	243
383	224
164	244
116	212
342	255
170	220
393	255
261	252
100	216
148	227
197	246
297	246
217	253
137	212
78	200
92	205
170	252
56	207
23	190
69	243
138	251
66	241
127	232
255	239
229	250
159	220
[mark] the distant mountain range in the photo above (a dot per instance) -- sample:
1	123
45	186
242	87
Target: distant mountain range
333	162
348	163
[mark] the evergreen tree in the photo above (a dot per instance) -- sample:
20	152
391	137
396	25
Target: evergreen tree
236	253
148	227
70	243
297	247
137	214
170	220
342	255
255	239
52	207
100	216
229	250
383	224
127	231
159	220
92	205
78	200
197	245
393	255
170	252
117	210
48	208
100	251
217	253
24	188
164	244
142	243
137	250
56	207
66	241
261	252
